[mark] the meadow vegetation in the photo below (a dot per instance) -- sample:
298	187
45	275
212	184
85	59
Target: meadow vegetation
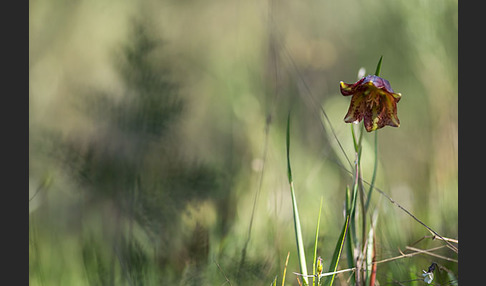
159	139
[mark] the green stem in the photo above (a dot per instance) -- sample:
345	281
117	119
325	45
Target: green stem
377	73
375	167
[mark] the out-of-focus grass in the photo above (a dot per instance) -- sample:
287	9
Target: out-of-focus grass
155	150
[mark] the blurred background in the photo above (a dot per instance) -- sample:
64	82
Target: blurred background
157	137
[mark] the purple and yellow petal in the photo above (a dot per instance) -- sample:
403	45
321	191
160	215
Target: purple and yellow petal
356	109
372	121
391	111
397	96
347	89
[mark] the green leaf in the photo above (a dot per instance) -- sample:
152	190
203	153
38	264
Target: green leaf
337	252
378	67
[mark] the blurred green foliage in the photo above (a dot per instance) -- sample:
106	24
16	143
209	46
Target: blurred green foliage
158	127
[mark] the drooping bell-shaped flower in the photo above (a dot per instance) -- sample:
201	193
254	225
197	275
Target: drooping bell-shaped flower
373	101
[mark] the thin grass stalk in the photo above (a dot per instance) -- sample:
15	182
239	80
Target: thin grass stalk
359	243
297	227
337	252
298	235
349	241
285	268
352	219
315	247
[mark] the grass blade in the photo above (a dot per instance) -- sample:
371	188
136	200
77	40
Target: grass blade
349	241
285	268
297	227
315	246
289	169
298	236
337	252
274	283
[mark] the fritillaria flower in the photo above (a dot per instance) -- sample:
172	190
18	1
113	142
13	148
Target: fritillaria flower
373	101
